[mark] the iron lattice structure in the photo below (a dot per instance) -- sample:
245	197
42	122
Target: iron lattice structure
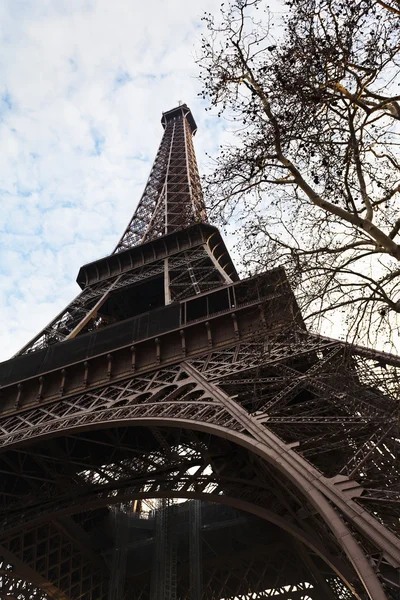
172	198
168	377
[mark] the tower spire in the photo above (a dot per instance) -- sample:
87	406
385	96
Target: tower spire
172	198
190	259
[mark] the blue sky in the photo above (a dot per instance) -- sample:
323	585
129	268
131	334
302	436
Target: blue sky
83	84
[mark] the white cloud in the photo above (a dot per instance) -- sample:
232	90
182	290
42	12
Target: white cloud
83	84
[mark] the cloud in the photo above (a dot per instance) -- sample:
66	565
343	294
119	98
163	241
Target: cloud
83	84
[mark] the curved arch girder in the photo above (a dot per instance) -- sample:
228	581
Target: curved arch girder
189	400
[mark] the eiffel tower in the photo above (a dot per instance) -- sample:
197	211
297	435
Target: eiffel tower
168	377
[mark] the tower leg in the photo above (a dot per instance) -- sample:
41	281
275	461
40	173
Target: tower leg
195	557
118	565
273	450
321	591
164	575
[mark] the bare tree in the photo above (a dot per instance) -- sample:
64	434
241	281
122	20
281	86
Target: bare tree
313	174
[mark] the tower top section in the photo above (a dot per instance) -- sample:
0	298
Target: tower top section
181	111
172	198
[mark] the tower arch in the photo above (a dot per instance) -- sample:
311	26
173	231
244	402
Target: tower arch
219	391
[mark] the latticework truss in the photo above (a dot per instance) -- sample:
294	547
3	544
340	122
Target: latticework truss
327	400
168	378
188	272
172	198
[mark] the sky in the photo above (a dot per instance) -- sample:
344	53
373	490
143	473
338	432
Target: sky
83	84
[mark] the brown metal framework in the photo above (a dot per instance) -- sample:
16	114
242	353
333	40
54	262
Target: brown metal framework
172	198
239	553
175	380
